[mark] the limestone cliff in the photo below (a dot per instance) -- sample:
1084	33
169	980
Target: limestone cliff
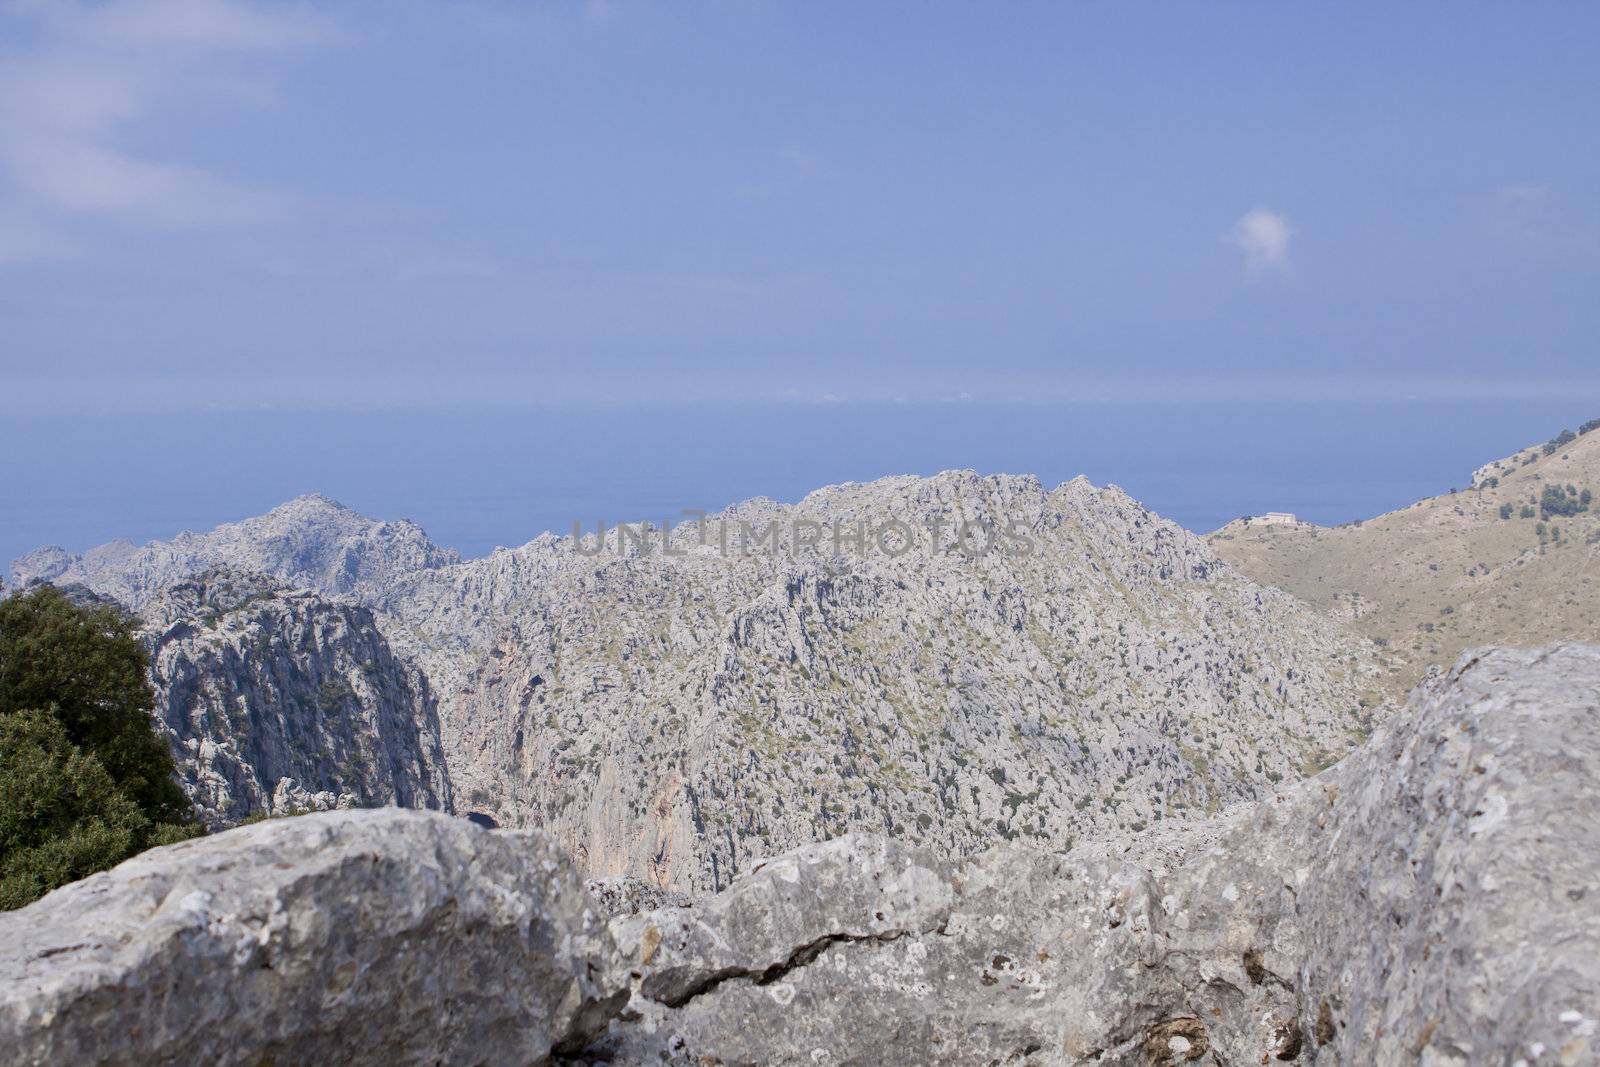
278	700
670	717
778	674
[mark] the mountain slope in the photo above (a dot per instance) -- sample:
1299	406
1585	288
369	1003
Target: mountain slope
669	717
276	699
1065	663
1449	573
310	542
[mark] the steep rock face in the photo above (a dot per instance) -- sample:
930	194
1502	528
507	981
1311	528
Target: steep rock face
1431	899
669	717
381	937
310	542
786	674
277	700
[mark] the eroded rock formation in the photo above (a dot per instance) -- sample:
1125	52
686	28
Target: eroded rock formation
278	700
1431	899
363	937
1435	898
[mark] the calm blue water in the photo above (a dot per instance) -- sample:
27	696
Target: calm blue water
475	480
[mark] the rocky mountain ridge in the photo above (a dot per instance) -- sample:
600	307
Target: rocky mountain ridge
669	706
310	542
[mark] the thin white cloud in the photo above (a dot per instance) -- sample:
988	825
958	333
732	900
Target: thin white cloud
71	107
1263	236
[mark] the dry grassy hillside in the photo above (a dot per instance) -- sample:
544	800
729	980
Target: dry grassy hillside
1495	563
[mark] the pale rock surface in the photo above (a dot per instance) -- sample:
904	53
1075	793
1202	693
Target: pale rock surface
357	938
277	700
311	542
670	717
629	896
1430	900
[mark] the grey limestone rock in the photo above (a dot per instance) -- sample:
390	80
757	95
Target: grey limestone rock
277	700
363	937
1432	899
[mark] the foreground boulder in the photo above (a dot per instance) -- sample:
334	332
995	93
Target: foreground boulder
1433	899
358	937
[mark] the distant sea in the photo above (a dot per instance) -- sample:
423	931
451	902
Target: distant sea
477	479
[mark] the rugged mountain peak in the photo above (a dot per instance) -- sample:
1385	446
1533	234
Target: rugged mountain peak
1015	661
669	715
312	542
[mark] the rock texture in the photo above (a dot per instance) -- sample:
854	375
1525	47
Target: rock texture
352	938
670	715
311	542
1432	900
276	700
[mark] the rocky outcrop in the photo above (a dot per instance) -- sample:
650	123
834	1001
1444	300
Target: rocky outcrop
310	542
629	896
383	937
782	674
1432	899
277	700
672	717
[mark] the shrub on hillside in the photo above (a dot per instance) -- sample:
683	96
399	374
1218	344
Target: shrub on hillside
85	780
1565	437
1558	501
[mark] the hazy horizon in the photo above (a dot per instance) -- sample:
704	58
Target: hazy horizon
475	480
413	255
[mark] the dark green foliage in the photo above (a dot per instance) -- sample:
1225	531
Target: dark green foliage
1505	511
1592	424
61	816
1558	501
85	781
333	694
1526	512
85	666
1565	437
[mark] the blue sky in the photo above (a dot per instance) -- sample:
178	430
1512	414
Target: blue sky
211	204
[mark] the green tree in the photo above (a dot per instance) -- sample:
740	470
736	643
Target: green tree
61	816
86	668
85	780
1557	501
